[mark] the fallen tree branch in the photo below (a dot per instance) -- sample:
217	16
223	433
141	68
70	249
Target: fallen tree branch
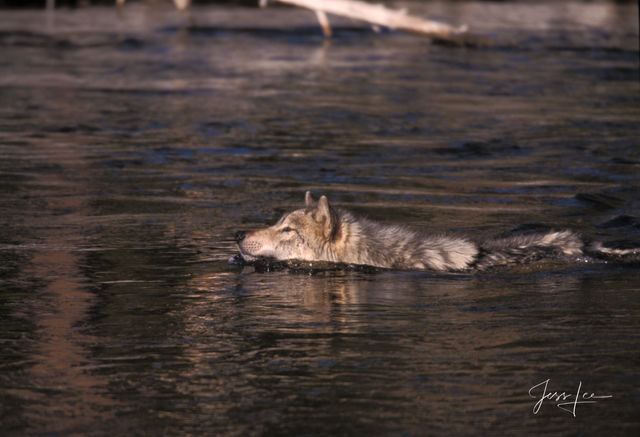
181	5
382	16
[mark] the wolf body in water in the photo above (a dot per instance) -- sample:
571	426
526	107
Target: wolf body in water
320	232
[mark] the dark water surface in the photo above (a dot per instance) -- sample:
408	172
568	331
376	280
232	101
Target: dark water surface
132	149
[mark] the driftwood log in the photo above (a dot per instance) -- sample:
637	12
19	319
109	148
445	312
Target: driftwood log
378	15
181	5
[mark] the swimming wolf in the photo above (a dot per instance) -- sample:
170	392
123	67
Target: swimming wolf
320	232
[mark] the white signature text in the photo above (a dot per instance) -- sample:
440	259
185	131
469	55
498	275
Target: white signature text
565	401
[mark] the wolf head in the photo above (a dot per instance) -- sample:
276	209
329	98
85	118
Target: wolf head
304	234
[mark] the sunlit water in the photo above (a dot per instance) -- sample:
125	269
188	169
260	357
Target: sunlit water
133	148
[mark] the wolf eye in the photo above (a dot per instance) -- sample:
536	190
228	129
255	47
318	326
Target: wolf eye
287	229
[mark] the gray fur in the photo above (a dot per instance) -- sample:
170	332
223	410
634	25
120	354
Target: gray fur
319	232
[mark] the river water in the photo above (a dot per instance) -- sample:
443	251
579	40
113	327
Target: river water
132	147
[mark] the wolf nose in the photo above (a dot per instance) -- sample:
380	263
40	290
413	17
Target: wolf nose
240	236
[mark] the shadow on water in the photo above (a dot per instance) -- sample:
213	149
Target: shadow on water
132	150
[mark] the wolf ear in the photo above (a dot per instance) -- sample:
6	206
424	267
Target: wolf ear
327	216
308	200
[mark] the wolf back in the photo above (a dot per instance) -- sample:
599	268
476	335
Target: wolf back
320	232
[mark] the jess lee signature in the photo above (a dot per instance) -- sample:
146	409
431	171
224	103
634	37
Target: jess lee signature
565	401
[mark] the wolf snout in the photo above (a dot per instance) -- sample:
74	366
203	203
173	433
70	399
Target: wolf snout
240	235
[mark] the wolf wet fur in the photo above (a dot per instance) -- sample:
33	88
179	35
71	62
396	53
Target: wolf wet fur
320	232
